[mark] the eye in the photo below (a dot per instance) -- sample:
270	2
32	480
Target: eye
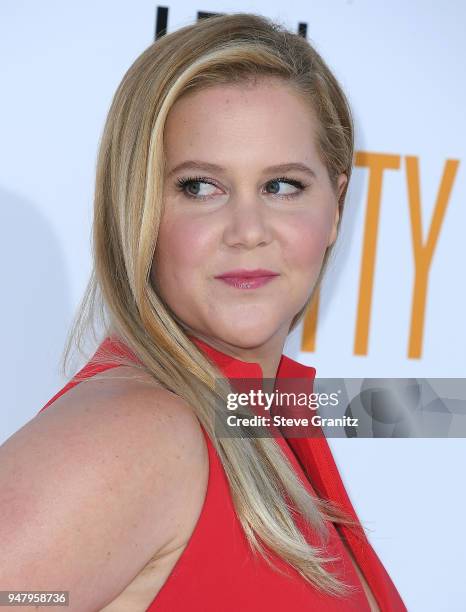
287	181
183	184
191	187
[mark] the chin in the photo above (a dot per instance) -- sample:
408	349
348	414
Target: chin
248	334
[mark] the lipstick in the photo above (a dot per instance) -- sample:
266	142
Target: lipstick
247	279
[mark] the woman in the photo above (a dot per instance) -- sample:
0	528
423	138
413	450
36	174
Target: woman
226	154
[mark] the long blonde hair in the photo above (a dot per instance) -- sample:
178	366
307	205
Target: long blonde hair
127	212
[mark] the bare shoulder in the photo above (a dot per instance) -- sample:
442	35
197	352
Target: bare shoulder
126	390
96	484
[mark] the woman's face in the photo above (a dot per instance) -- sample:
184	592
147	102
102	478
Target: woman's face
241	214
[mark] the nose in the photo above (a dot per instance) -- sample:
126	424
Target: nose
247	222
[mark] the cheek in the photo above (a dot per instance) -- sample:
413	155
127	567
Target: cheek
307	240
182	246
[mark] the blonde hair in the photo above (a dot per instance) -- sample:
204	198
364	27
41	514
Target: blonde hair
128	207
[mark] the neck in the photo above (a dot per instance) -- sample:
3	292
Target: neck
267	355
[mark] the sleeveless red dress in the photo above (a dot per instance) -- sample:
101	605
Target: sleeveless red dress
217	572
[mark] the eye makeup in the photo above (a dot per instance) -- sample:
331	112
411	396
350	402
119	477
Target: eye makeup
182	183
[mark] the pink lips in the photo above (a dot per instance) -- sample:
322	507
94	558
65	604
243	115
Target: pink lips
247	279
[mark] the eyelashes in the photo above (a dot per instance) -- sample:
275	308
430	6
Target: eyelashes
182	183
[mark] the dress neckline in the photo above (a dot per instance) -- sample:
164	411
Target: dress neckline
233	367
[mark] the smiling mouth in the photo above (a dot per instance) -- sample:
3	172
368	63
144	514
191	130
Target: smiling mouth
250	282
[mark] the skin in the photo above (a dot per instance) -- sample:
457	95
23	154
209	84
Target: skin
244	220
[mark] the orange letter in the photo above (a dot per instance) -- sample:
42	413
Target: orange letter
308	340
377	164
423	252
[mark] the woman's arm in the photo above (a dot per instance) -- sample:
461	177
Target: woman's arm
93	486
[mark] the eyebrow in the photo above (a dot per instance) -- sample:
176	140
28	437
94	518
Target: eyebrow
206	166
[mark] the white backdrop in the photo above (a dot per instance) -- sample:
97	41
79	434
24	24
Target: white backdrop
402	67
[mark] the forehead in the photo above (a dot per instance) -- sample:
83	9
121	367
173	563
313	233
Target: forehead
266	117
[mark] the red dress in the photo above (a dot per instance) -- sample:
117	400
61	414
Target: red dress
217	571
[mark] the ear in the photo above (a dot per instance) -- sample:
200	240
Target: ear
341	182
